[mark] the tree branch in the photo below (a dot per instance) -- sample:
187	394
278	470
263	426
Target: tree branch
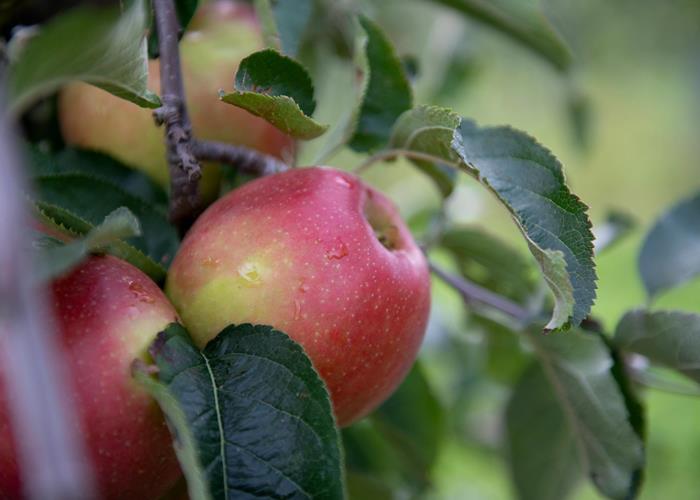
245	160
474	294
185	170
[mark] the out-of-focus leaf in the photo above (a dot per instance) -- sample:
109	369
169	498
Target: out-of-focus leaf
387	91
669	338
285	23
524	24
580	370
92	199
279	90
528	180
55	260
542	452
579	111
616	226
102	46
256	416
429	129
670	253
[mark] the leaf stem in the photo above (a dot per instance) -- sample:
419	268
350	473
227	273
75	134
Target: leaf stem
474	294
390	154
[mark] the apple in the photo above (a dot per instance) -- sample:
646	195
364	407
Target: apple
222	34
321	256
107	312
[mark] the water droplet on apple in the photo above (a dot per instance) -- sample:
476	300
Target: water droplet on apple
303	287
337	251
297	309
343	182
249	272
210	262
140	292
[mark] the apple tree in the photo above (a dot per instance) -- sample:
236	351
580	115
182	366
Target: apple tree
205	294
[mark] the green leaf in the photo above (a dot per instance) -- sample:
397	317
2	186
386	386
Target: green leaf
101	46
582	374
490	262
258	419
65	222
528	180
185	10
617	226
285	23
523	24
542	453
92	199
71	160
387	91
279	90
668	338
55	260
429	129
670	253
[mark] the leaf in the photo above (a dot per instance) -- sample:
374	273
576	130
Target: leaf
285	23
257	418
101	46
429	129
542	452
279	90
668	338
616	226
55	260
670	253
65	222
387	91
581	372
490	262
524	25
92	199
185	10
528	180
73	160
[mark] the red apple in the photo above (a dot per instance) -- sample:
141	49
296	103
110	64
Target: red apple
320	255
107	313
223	34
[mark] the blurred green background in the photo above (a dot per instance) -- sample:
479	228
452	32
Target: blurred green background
634	148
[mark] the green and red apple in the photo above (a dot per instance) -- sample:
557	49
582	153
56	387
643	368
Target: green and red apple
221	35
320	255
107	313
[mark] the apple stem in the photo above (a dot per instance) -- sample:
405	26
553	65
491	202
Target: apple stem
473	294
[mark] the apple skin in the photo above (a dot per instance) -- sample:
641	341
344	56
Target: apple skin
107	312
224	33
296	251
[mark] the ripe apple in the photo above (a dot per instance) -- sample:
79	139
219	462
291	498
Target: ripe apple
107	312
325	258
223	33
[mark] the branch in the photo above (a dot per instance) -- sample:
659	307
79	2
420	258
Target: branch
245	160
185	170
474	294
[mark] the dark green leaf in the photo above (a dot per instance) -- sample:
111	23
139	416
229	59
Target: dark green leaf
72	226
528	179
55	260
258	419
429	129
616	226
669	338
279	90
72	160
523	24
387	91
185	10
670	253
102	46
580	370
542	452
92	199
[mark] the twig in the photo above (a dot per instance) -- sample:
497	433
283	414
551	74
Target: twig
185	170
51	453
474	294
245	160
